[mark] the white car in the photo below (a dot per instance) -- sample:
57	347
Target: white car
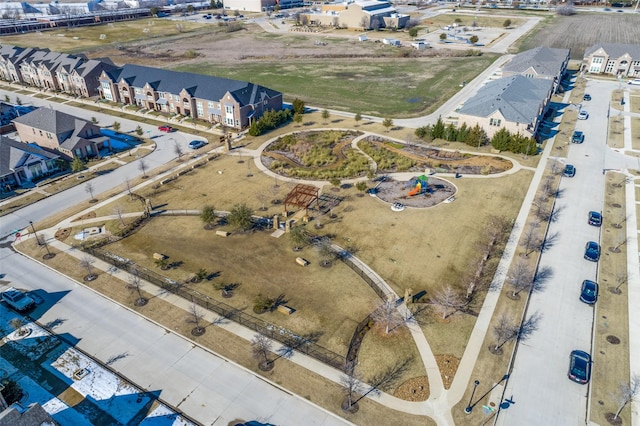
635	81
18	300
583	115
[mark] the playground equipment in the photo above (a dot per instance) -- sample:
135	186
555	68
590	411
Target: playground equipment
419	185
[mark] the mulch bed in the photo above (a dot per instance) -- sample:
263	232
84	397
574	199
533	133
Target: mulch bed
393	191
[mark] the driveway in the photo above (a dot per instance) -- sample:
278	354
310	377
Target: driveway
539	385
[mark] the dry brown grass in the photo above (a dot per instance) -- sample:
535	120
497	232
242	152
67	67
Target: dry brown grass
299	380
611	361
568	32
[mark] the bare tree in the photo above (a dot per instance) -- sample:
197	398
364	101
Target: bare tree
620	243
118	210
521	278
447	300
326	251
127	182
618	223
548	242
134	283
87	263
89	190
530	240
627	393
621	278
260	348
177	149
142	166
263	198
195	317
18	325
504	331
387	316
550	215
351	387
387	378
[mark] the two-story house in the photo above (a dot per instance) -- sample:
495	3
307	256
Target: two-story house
542	62
233	103
617	59
72	136
21	163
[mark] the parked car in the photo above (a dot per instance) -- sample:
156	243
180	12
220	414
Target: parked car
577	137
583	115
569	170
167	129
580	367
635	81
589	292
592	251
595	219
586	97
196	144
18	300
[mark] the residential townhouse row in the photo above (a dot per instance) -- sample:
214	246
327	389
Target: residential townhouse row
232	103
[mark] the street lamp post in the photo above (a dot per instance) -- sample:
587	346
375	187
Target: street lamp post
469	407
34	233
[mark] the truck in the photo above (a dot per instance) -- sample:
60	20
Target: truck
18	300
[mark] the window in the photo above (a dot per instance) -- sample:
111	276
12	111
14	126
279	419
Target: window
200	109
228	109
210	105
495	122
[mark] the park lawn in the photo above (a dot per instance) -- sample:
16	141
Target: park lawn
327	300
635	133
20	202
466	20
611	361
412	87
81	39
294	378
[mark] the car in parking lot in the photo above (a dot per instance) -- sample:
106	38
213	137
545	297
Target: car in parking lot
196	144
167	129
592	251
577	137
589	292
586	97
18	300
580	367
569	170
583	115
595	218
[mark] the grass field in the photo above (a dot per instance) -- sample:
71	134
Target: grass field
81	39
612	309
579	31
409	87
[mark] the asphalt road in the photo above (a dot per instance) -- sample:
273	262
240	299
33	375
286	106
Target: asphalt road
58	202
208	388
539	385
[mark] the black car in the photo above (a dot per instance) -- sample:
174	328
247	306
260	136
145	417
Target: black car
577	137
586	97
569	170
589	292
580	367
592	251
595	219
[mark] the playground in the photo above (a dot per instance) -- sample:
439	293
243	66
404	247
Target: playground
418	192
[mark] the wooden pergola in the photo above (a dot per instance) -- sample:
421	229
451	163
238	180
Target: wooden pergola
301	196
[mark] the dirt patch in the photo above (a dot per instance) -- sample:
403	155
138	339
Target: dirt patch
448	365
393	191
416	389
63	234
89	215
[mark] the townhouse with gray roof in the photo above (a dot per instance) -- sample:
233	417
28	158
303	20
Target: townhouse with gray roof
72	136
621	60
21	163
74	74
516	103
542	62
232	103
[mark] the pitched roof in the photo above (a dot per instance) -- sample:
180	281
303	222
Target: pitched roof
517	98
14	154
49	120
545	61
615	50
197	85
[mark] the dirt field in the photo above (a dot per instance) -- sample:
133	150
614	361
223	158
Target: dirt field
582	30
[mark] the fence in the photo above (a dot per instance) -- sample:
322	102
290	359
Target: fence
279	334
351	264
